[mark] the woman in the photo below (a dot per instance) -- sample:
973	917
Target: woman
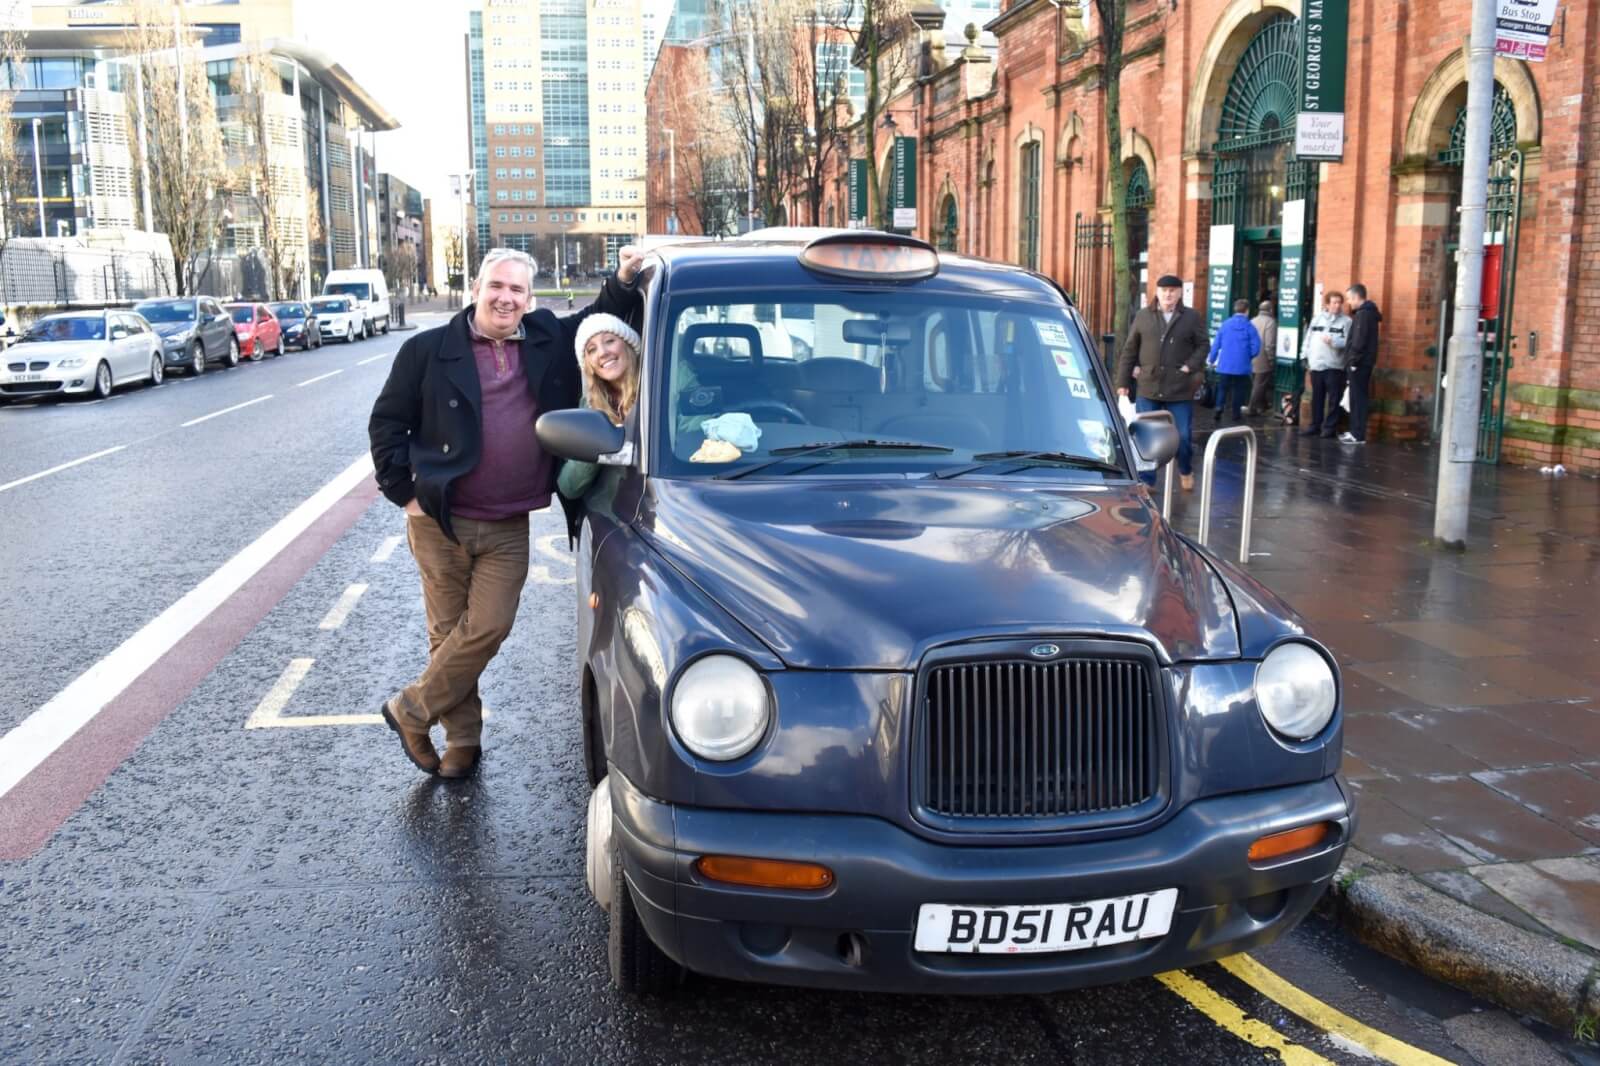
608	357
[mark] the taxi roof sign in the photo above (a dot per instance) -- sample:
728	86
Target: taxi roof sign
871	257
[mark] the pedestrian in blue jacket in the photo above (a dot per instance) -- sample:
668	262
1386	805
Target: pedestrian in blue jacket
1236	344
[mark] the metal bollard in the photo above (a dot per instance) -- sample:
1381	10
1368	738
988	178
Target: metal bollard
1209	469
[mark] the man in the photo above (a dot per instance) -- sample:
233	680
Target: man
1326	341
1363	356
1165	356
1265	362
1233	353
453	443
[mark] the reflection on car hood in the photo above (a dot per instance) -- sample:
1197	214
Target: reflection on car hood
172	329
869	574
53	350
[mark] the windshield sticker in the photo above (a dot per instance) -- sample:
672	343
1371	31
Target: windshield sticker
1066	363
716	451
1097	436
1079	387
1052	334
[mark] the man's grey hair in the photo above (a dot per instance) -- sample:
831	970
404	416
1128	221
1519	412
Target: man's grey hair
506	255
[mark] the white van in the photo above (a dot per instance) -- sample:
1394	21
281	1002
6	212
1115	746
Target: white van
370	292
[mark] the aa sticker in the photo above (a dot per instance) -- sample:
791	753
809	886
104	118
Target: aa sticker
1066	363
1051	333
1079	387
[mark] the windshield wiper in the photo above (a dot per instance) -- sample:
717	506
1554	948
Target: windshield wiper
1023	457
783	455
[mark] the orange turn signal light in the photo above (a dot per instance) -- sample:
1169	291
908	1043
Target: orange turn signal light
764	873
1277	845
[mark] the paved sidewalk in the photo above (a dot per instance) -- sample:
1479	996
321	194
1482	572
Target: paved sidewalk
1472	693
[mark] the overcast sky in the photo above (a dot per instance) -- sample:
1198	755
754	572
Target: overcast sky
411	57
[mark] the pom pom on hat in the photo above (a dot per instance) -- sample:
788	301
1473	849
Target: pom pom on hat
600	322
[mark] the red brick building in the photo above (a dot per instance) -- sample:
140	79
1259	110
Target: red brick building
1011	164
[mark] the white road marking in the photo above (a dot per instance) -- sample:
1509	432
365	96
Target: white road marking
33	740
63	466
373	358
278	696
386	549
319	377
342	607
225	410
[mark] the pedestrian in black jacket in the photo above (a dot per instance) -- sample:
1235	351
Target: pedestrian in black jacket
453	443
1361	354
1163	363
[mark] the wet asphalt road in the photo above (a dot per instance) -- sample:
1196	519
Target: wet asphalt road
294	893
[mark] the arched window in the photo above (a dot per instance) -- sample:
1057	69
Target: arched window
1257	127
947	224
1028	206
1502	129
1138	196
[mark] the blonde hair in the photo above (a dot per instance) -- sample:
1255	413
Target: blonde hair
613	402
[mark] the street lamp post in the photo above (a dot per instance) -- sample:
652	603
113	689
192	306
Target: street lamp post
38	176
672	179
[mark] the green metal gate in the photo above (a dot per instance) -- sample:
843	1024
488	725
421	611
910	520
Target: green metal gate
1093	276
1502	221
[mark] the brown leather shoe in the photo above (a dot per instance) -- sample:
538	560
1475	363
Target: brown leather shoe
414	742
1187	481
460	761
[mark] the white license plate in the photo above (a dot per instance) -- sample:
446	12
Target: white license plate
1044	927
17	379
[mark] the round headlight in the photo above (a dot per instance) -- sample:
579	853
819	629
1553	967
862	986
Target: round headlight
1295	690
720	708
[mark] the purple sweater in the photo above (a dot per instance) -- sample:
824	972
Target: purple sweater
513	476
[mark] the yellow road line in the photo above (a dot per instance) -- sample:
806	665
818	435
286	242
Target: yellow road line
1228	1015
1325	1017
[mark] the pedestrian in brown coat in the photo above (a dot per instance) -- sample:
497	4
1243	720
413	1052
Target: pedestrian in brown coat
1165	360
1262	367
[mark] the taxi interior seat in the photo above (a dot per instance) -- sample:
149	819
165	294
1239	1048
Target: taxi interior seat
741	374
832	391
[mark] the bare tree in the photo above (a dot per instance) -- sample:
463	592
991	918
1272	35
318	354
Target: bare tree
1113	22
822	63
764	95
705	164
186	158
452	257
266	167
399	266
884	39
17	209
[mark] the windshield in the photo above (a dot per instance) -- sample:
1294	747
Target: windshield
968	377
293	311
242	314
67	328
176	311
330	307
359	289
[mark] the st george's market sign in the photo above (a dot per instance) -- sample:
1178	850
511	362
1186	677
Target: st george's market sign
1324	48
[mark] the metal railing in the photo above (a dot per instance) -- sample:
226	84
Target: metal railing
1209	469
1166	484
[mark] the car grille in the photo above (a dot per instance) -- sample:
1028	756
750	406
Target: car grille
20	387
1017	739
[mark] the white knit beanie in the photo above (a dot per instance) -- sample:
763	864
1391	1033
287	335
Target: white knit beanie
600	322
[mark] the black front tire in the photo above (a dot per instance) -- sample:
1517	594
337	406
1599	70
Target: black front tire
638	967
232	358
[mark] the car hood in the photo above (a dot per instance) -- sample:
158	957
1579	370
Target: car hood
172	329
868	575
53	350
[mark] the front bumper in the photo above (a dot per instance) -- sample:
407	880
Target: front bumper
858	934
52	382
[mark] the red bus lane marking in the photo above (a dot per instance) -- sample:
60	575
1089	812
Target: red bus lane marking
32	811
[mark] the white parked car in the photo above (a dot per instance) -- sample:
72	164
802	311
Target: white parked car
81	352
370	292
339	318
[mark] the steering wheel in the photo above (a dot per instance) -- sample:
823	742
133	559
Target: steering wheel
783	412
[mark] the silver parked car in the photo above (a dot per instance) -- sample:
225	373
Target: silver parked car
81	352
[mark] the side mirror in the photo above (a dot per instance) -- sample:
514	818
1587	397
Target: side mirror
1155	438
581	434
118	333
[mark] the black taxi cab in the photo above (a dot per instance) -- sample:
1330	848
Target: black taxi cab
893	677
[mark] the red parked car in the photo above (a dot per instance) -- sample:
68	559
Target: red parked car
257	329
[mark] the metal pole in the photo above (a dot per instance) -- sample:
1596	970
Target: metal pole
183	91
750	216
1459	453
1207	474
38	176
144	148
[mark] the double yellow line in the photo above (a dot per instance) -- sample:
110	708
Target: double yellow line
1226	1014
